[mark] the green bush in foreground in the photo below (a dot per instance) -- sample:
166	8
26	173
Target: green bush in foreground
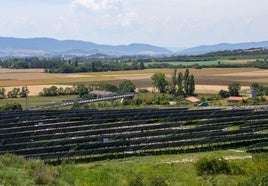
210	165
162	170
248	172
15	170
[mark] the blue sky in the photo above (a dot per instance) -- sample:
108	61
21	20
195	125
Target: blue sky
168	23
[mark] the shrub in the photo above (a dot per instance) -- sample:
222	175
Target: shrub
137	181
138	101
41	173
143	90
158	181
212	165
256	171
11	106
224	94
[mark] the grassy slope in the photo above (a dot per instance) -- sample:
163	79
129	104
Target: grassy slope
147	170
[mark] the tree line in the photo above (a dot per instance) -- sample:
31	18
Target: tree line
112	63
82	90
234	90
14	93
61	65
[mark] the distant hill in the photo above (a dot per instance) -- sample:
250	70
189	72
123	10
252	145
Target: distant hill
47	46
24	47
222	46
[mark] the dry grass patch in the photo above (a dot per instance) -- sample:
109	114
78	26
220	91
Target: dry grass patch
239	61
208	89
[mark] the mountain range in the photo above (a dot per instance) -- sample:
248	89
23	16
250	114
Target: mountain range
47	46
202	49
24	47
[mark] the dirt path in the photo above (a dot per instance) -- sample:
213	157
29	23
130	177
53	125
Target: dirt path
189	160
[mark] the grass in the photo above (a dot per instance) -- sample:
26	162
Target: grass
145	170
203	63
36	100
187	63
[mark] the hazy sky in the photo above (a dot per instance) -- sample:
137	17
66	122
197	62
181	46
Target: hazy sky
169	23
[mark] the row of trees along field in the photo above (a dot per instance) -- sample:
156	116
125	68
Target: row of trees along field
14	93
234	90
58	65
81	90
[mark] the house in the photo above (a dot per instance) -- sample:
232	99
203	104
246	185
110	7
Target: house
192	99
101	94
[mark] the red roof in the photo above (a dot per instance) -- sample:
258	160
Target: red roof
192	99
237	98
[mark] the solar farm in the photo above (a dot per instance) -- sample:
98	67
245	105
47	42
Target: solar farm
55	135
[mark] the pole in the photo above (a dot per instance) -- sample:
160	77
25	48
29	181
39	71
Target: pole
26	97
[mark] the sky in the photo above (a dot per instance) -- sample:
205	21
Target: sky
166	23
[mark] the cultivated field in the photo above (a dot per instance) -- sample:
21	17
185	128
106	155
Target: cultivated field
204	63
208	80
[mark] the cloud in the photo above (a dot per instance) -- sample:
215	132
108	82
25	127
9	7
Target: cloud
104	14
160	22
97	4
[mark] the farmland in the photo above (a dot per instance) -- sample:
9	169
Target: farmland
204	63
90	135
209	79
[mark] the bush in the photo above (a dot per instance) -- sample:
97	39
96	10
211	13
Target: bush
137	181
42	173
224	94
143	90
11	106
258	171
138	101
158	181
15	170
212	166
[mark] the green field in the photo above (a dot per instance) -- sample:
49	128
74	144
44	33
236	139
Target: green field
201	63
162	170
186	63
36	100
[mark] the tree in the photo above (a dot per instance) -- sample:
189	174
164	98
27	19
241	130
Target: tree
188	83
13	93
257	89
160	82
142	66
11	106
234	89
82	90
75	106
174	83
2	93
191	85
107	87
24	92
126	86
224	94
180	84
61	91
185	79
51	91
